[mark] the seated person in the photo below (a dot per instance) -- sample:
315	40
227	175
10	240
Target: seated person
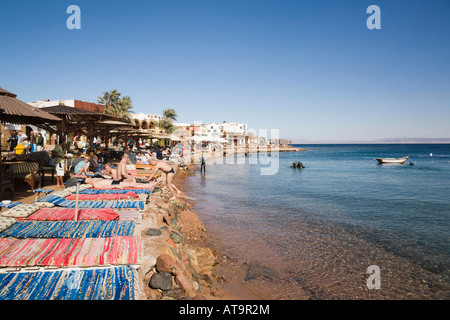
82	167
110	184
141	158
109	170
93	160
122	169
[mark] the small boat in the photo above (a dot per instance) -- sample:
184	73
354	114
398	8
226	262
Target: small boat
392	160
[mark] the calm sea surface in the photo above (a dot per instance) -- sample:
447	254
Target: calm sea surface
321	227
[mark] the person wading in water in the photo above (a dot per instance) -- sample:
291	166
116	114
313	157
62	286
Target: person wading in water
168	170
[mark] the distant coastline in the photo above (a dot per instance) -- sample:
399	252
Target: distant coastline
378	141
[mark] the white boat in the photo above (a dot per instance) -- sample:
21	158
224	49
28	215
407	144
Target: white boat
392	160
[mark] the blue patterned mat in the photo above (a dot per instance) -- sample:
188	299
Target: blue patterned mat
70	229
116	283
60	201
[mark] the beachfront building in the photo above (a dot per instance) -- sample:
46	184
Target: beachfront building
234	132
69	103
147	122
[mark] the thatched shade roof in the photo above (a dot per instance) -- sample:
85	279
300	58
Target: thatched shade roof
12	110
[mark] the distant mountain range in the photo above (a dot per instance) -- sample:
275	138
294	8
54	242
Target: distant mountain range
380	141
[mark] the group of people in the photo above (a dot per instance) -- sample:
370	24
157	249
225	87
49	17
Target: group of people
20	143
119	177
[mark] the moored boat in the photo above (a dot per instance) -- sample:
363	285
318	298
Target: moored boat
392	160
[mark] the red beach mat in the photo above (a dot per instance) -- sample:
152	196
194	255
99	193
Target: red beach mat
61	214
70	252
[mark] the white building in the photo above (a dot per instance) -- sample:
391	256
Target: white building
234	132
147	122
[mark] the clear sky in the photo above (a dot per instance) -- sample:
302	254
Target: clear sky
311	69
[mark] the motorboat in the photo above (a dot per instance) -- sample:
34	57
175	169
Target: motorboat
392	160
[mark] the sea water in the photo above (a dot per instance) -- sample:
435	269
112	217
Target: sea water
320	228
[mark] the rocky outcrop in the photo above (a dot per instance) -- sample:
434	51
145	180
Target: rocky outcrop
177	262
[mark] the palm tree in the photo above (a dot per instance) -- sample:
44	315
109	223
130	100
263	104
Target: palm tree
115	105
110	100
126	106
170	114
167	125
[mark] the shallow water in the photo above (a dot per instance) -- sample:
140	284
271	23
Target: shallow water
321	227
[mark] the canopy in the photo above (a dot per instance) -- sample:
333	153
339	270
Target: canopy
14	111
77	119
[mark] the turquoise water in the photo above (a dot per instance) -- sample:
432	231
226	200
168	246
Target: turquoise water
327	223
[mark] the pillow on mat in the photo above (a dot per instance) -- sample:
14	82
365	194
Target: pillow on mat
21	211
44	204
6	222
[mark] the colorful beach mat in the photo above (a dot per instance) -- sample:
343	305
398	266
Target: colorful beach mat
61	214
117	191
115	283
86	252
62	202
106	196
69	229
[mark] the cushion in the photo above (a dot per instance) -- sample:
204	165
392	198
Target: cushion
21	211
44	204
6	222
62	193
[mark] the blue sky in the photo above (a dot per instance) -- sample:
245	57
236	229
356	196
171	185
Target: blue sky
311	69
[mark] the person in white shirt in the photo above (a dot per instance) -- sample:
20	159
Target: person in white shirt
141	158
21	136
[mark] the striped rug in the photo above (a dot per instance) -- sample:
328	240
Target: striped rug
103	197
117	191
60	201
114	283
85	252
55	214
69	229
